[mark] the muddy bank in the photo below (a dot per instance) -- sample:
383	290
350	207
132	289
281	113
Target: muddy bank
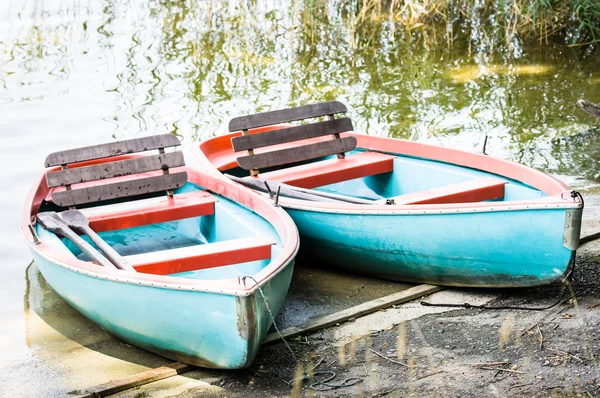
466	352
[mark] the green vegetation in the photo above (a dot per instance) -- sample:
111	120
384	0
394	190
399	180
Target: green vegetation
490	23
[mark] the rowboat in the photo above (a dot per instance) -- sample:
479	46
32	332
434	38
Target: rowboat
398	209
165	257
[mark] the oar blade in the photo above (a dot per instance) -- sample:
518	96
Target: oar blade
74	218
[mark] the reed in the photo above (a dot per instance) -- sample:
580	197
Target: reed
491	23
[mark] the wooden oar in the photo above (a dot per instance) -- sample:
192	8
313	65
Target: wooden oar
298	193
53	223
78	222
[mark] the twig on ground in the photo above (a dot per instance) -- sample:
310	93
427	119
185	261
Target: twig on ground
488	364
318	363
520	385
567	354
558	308
501	369
551	387
541	337
386	392
429	374
390	359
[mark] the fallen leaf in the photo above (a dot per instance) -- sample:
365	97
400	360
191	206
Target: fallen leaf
591	307
567	316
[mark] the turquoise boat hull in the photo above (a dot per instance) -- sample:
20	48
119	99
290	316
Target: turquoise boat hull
209	316
205	329
496	249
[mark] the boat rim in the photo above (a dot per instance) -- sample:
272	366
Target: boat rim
281	222
559	194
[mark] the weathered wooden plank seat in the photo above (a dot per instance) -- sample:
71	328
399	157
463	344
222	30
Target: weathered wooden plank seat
314	174
90	183
477	190
197	257
67	177
80	183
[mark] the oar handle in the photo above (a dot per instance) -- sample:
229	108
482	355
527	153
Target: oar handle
286	190
111	253
86	247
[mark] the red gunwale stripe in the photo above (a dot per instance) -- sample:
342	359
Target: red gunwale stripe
216	155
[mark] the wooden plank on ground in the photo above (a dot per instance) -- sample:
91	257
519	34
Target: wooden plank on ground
286	115
115	386
115	169
112	149
354	312
297	154
590	230
120	189
296	133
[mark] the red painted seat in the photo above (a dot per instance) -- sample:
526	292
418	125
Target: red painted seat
198	257
332	171
150	211
477	190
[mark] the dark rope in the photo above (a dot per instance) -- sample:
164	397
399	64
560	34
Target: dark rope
503	307
270	314
566	282
325	384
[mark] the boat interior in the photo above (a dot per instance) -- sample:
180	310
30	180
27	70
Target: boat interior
141	214
320	159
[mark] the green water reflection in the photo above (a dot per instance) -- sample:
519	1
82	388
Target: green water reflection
187	67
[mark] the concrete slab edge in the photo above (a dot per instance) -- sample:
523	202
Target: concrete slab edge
353	312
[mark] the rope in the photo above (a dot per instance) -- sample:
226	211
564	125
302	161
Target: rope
322	385
327	386
271	315
502	307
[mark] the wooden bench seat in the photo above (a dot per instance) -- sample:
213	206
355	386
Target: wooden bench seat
478	190
150	211
332	171
309	175
198	257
